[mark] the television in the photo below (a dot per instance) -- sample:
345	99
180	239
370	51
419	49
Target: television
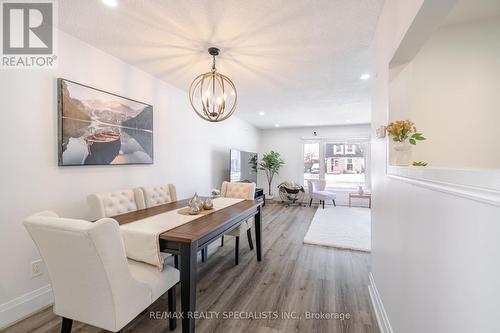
243	166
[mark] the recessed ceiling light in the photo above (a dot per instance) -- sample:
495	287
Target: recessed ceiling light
348	121
365	76
276	125
110	3
261	113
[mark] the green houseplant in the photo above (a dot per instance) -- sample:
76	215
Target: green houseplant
271	163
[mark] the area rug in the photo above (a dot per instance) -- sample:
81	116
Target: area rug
341	227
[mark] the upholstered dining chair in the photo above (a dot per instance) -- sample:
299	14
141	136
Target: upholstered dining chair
115	203
110	204
159	195
91	278
316	189
240	191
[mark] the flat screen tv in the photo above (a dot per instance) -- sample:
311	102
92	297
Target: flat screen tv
243	166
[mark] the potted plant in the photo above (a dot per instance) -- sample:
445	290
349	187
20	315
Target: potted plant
271	163
404	134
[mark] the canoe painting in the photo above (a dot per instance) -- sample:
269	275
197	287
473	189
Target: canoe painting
101	128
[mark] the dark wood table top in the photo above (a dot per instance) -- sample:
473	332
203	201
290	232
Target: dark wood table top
196	229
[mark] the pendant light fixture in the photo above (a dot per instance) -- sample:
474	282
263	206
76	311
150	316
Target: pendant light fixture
213	95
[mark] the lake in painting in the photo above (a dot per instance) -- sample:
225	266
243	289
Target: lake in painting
100	128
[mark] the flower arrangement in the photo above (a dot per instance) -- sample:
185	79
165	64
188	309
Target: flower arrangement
403	130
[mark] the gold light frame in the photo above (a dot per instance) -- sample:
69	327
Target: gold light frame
208	94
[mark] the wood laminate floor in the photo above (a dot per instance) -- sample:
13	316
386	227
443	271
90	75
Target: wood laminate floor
291	280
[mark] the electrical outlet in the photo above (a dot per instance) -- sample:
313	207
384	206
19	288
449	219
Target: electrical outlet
36	268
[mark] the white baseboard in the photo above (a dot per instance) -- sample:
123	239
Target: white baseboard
378	306
25	305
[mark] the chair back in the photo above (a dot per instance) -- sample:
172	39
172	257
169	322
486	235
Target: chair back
158	195
88	269
238	190
314	185
310	187
115	203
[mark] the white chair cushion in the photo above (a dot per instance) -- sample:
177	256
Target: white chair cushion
88	270
115	203
160	282
326	194
238	190
242	228
241	191
158	195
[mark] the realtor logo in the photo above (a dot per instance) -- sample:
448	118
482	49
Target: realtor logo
27	34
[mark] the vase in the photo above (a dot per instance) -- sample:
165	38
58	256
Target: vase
360	190
402	153
208	204
196	202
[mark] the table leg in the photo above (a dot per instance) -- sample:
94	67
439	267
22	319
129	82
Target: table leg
188	285
258	233
370	202
349	200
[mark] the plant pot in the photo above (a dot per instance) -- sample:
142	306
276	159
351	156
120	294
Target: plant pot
402	153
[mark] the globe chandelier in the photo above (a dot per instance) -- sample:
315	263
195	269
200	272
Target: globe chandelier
213	95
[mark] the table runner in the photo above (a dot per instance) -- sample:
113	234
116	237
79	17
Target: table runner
141	238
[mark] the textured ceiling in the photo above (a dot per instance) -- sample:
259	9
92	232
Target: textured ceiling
299	61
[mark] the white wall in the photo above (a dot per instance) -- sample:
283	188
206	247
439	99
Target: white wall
454	80
434	253
288	142
189	152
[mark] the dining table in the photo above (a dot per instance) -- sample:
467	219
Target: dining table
187	239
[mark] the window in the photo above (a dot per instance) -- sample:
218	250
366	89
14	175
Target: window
311	161
338	149
341	164
350	149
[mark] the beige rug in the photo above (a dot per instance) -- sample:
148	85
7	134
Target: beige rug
341	227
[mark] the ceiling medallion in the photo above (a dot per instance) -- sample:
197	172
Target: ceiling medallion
213	95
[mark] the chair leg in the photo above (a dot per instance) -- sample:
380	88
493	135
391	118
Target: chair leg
236	250
334	204
310	202
66	325
172	321
249	236
222	241
323	204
